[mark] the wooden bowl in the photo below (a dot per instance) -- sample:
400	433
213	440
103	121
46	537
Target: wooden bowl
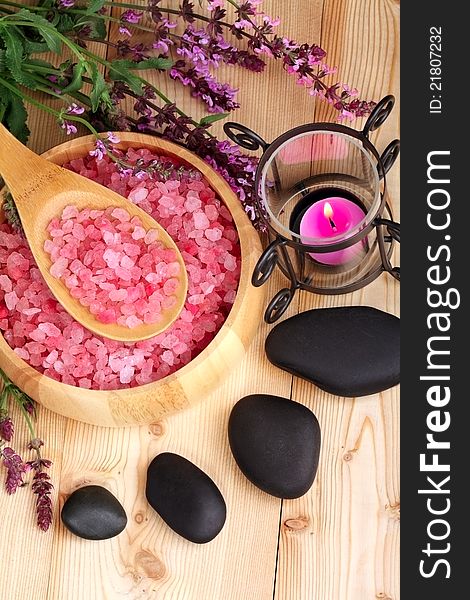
190	384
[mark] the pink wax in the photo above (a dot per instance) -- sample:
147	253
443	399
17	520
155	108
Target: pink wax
330	218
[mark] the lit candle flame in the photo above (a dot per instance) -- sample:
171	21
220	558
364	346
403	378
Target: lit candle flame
328	210
329	214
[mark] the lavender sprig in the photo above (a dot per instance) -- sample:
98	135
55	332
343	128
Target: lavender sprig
16	467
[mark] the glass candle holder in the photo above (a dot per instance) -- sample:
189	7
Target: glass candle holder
321	191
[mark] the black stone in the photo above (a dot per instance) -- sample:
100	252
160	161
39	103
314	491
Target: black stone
276	444
347	351
185	497
93	513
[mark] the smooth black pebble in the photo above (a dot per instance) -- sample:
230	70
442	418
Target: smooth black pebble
93	513
185	497
347	351
276	444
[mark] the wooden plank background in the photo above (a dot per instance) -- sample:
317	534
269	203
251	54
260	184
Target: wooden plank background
339	541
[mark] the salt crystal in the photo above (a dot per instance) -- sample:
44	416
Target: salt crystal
138	233
127	262
170	286
69	212
133	321
107	316
200	220
137	195
58	268
22	353
11	300
230	263
121	215
49	329
213	235
118	295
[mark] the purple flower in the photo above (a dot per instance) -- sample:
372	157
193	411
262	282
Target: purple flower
65	3
15	467
43	487
113	138
213	4
131	16
270	22
219	97
74	109
124	30
6	429
69	127
242	24
99	151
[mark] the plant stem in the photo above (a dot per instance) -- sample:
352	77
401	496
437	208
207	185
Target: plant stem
47	90
159	93
48	109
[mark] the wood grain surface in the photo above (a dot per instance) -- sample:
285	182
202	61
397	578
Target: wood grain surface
339	541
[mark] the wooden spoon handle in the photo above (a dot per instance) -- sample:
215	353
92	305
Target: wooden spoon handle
24	172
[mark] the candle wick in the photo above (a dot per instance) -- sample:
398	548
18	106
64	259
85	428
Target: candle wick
332	224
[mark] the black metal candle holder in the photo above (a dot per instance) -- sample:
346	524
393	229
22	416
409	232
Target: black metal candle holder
316	163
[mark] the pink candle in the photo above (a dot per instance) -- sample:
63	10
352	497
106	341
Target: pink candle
330	218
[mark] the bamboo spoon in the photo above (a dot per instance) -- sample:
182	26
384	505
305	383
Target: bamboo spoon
41	191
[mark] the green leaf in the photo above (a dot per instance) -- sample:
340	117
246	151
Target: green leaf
99	92
120	71
39	63
94	6
76	82
97	27
209	119
149	63
14	114
48	33
35	47
63	22
162	64
14	55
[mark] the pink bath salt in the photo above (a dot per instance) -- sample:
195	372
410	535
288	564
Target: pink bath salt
8	241
59	267
29	312
118	295
131	249
49	329
111	258
133	321
127	262
77	333
137	195
78	231
230	262
200	220
168	357
11	300
121	215
151	236
213	269
138	233
52	357
69	212
171	286
107	316
22	353
126	374
213	235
